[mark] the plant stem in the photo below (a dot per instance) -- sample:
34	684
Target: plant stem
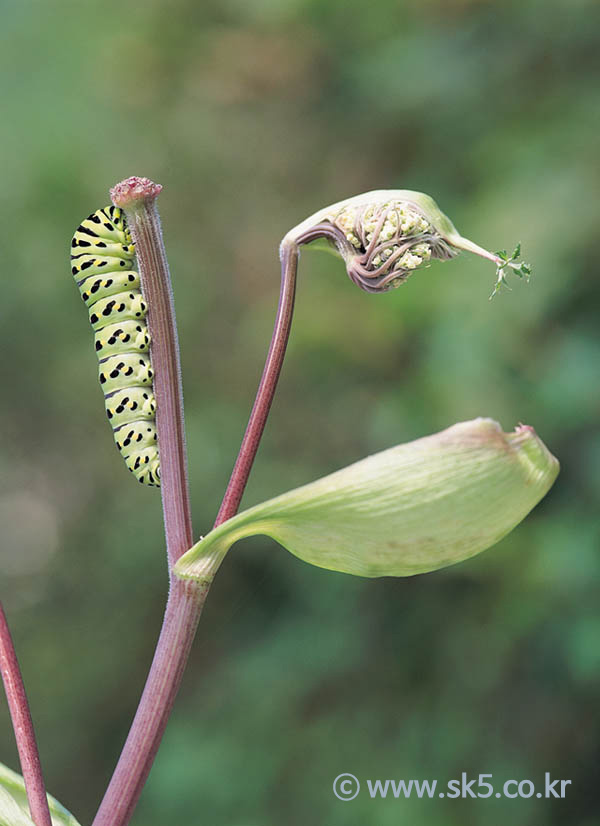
266	389
289	253
144	224
186	599
23	727
184	605
183	610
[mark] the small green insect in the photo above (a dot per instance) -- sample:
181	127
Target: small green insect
103	265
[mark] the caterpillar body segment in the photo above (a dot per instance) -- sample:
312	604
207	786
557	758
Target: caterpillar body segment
103	266
129	305
134	404
122	337
115	282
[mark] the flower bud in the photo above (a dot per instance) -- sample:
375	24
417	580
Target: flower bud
407	510
384	236
134	191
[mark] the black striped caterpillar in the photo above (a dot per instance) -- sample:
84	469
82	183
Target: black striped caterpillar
103	265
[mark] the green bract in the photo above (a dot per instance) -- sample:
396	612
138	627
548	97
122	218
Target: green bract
14	809
410	509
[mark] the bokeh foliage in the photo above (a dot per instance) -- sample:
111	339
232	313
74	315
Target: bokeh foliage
253	114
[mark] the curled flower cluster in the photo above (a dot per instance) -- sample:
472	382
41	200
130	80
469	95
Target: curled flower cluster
387	241
385	235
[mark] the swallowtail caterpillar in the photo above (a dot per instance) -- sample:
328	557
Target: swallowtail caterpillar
103	265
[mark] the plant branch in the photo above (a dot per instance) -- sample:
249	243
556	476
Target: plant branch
182	614
266	389
184	605
144	224
23	727
186	599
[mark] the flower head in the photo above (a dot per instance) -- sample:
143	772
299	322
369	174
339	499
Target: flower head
384	236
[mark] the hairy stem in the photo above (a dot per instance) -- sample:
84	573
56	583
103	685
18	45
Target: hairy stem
23	727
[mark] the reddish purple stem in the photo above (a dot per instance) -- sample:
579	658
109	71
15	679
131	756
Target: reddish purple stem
266	389
186	599
182	614
184	606
155	279
23	727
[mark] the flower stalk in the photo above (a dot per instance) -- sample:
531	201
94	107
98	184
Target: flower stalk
186	599
137	196
266	388
184	607
23	727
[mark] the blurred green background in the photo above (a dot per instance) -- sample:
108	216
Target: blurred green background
253	114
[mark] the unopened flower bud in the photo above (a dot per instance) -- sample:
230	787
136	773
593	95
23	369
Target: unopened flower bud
384	236
134	191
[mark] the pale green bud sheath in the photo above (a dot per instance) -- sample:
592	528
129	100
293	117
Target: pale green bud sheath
385	235
413	508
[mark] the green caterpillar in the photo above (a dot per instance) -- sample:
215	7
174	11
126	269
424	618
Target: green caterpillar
103	265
